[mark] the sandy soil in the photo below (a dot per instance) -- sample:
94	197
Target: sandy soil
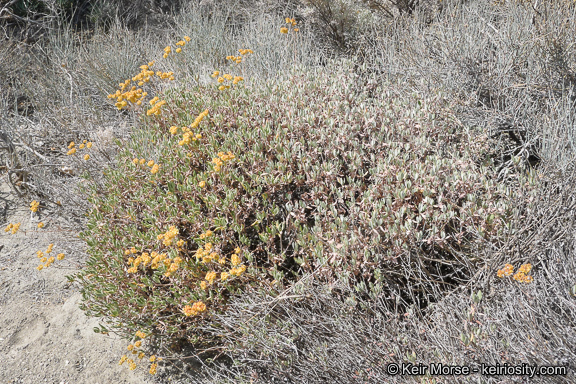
44	336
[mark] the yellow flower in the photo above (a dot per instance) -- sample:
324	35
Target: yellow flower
173	129
60	256
186	38
81	146
220	79
203	284
235	260
178	50
86	156
138	344
283	30
224	275
152	358
89	145
221	88
40	225
141	355
122	360
71	145
16	227
34	206
71	152
153	369
135	161
142	161
180	243
168	49
132	366
49	249
9	227
151	163
202	184
296	29
215	74
40	267
525	268
210	277
130	347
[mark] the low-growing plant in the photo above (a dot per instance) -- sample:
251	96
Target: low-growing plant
230	188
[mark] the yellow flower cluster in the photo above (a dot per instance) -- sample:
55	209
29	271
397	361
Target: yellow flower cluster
134	95
181	43
139	355
196	309
165	75
34	205
155	168
292	23
225	79
146	259
508	270
144	76
207	255
156	105
206	234
238	59
520	276
188	136
219	161
72	148
13	228
169	236
49	260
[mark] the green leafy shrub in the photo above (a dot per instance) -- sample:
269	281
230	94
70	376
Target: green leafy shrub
252	186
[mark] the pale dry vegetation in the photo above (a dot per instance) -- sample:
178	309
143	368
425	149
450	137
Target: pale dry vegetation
346	203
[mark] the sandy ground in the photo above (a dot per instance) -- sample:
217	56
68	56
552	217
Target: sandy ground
44	336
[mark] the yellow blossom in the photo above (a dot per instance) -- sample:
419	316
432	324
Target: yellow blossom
40	225
210	277
186	38
153	369
49	249
16	227
60	256
86	156
89	145
202	184
138	344
283	30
